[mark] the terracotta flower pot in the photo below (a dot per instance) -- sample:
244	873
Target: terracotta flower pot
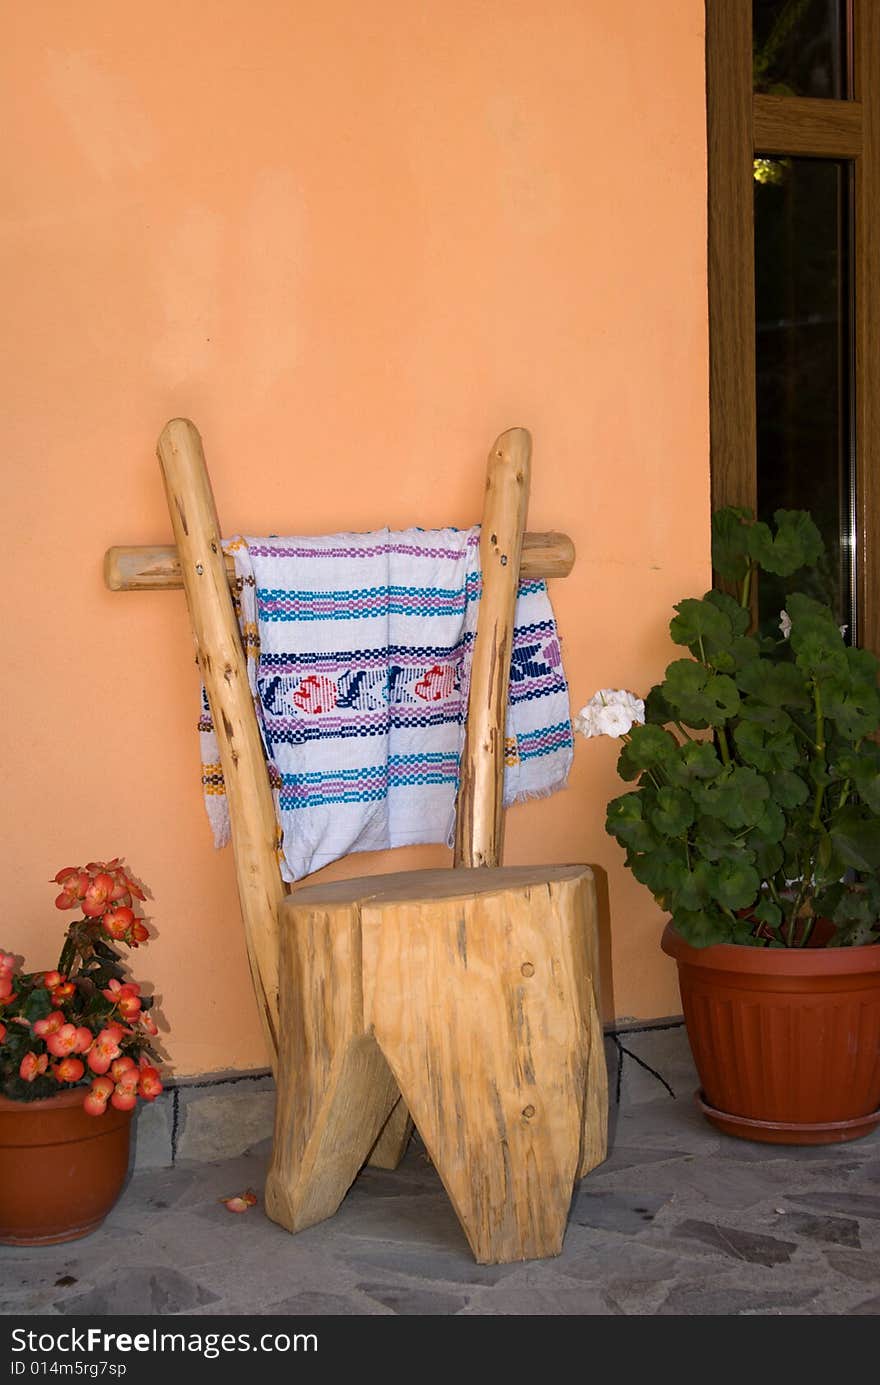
61	1170
786	1041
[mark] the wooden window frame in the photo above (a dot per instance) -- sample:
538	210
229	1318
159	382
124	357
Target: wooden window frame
739	124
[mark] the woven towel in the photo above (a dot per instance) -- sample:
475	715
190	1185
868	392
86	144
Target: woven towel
358	652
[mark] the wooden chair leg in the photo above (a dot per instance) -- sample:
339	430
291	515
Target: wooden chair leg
480	1005
393	1139
335	1090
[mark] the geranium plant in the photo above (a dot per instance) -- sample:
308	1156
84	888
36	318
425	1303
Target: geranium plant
83	1023
756	811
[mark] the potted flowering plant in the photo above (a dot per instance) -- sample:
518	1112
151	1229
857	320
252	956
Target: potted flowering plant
755	823
76	1053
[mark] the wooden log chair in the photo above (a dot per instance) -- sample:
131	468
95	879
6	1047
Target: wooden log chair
465	1000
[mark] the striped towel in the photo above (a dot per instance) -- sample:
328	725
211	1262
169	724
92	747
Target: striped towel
358	653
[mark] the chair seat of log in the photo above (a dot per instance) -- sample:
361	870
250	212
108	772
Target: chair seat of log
470	995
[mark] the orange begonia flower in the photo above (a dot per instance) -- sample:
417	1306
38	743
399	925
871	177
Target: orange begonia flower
32	1066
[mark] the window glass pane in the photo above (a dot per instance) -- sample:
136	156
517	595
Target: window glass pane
799	47
803	355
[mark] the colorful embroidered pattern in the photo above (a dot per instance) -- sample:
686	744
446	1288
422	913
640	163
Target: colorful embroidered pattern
358	652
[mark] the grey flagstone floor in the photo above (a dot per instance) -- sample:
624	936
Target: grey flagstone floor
680	1220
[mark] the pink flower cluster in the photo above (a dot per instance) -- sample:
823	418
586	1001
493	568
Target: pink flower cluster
71	1043
103	890
127	1081
98	1026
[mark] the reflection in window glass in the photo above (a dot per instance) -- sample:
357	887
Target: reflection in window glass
799	47
803	358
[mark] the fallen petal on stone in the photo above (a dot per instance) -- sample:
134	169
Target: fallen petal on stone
241	1202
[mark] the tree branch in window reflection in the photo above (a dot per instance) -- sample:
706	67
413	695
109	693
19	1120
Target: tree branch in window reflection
764	57
771	170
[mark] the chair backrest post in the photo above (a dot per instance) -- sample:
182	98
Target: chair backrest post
479	830
221	660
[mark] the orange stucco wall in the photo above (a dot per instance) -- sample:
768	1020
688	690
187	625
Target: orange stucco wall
353	242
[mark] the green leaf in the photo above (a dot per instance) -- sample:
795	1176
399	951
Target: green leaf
664	871
732	883
770	827
673	812
657	710
101	975
811	617
854	908
855	714
864	667
768	859
856	934
828	898
693	888
796	544
38	1004
700	620
721	660
41	1087
856	839
852	701
683	687
701	699
697	762
869	790
723	697
828	864
819	659
773	719
744	650
730	542
737	615
819	773
848	764
765	750
624	821
742	932
774	685
765	911
815	639
715	841
750	741
788	789
702	927
737	796
104	950
649	747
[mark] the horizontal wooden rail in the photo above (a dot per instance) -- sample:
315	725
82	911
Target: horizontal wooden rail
808	126
157	568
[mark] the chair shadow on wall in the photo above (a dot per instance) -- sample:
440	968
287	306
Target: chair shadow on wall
609	1006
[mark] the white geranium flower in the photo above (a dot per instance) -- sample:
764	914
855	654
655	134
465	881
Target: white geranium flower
610	712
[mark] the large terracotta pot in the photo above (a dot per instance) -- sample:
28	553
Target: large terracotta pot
61	1170
786	1040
